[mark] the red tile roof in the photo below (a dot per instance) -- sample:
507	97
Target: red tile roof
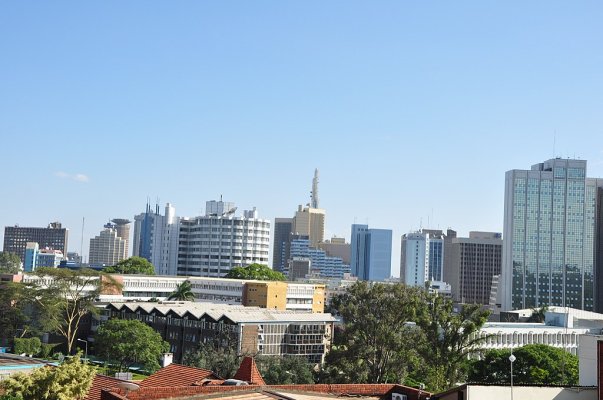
101	382
177	375
248	371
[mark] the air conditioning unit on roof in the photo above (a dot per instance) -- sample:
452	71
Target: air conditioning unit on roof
398	396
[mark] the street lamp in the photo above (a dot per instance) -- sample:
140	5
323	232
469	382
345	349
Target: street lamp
512	358
86	354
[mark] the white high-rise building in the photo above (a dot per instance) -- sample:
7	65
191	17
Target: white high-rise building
156	238
213	244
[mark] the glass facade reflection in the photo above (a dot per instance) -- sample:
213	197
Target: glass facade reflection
550	235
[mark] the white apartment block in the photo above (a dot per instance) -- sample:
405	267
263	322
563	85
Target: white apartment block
213	244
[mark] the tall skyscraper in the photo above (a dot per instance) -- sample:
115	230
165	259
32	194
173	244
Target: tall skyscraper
213	244
282	229
310	222
371	252
474	261
551	236
53	237
424	255
156	238
108	248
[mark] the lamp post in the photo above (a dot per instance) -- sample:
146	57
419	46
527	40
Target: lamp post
86	354
512	358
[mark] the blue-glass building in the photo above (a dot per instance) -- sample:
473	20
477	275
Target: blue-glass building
551	236
371	253
326	266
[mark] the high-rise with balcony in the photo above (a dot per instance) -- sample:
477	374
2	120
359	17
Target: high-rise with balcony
213	244
551	237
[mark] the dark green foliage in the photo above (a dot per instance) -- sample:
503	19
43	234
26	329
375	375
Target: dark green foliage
449	338
534	364
46	350
222	360
183	292
127	342
255	272
10	263
377	344
132	265
396	334
10	397
29	346
285	370
538	314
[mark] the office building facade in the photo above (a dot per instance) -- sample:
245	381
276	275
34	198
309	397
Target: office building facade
156	238
107	248
300	248
53	237
424	256
550	236
36	257
474	262
371	251
211	245
282	229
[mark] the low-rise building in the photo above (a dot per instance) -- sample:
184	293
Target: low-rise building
251	330
293	296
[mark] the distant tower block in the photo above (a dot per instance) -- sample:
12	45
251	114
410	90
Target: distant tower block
122	226
314	197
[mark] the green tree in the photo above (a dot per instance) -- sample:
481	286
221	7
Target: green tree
534	364
449	338
132	265
29	346
183	292
12	311
255	272
213	356
69	381
64	297
538	314
128	342
285	370
10	263
378	342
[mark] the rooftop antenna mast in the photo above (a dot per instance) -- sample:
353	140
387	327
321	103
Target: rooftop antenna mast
314	193
82	241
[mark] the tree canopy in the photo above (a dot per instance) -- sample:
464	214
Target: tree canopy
132	265
222	360
394	333
377	343
449	338
183	292
534	364
65	298
255	272
69	381
128	342
10	263
285	370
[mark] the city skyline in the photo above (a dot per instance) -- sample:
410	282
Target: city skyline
412	113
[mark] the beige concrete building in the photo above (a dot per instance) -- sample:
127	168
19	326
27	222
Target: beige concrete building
310	222
337	247
108	248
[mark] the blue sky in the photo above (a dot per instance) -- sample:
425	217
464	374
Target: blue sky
412	111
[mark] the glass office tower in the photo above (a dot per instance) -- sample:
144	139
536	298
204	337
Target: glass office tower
550	236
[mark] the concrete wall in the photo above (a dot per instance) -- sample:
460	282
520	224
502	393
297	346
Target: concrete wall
530	393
